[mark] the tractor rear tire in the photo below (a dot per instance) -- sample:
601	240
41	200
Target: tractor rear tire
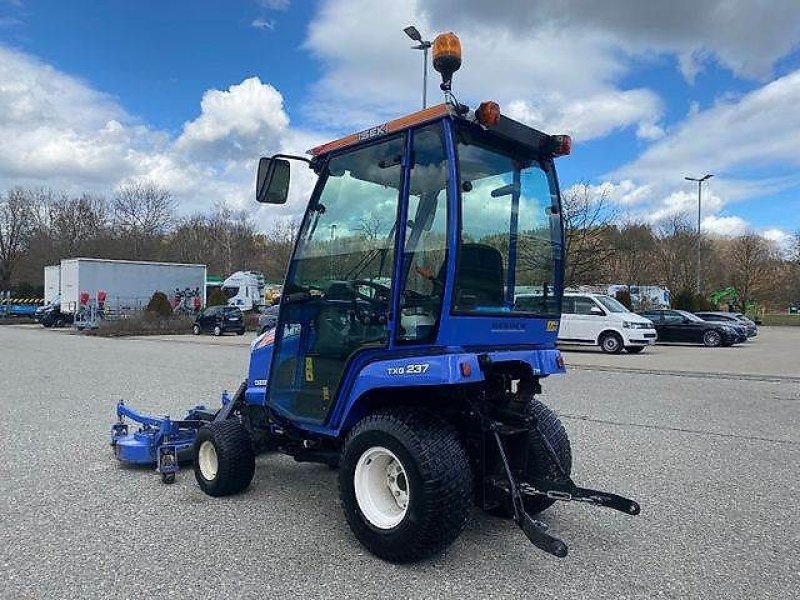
405	484
224	460
540	465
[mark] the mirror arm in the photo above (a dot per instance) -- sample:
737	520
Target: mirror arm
293	157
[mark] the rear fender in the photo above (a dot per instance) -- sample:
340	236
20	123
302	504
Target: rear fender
429	372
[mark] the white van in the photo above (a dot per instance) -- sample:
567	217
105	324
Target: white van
603	321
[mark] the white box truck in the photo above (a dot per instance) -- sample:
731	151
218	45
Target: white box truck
128	284
52	283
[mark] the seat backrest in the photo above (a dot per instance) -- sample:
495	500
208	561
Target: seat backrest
480	276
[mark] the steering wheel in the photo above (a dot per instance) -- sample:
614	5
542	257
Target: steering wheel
378	302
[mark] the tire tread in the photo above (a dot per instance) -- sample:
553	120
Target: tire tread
447	482
236	459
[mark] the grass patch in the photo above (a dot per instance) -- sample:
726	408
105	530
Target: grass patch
781	320
143	324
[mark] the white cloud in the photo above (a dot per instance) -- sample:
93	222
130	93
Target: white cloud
264	24
737	140
546	76
236	123
58	131
727	226
594	116
762	127
747	36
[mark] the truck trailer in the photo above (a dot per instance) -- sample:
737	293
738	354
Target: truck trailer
128	285
52	283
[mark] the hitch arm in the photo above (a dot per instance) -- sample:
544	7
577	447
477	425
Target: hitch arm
536	531
567	491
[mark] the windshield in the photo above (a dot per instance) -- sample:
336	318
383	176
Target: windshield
612	304
348	234
230	292
510	233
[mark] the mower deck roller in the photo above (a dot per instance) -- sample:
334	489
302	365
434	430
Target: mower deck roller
418	320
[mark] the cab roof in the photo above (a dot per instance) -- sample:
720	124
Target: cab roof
506	130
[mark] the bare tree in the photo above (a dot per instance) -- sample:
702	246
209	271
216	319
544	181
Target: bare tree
634	246
143	211
587	223
676	241
75	224
279	245
751	259
369	228
19	210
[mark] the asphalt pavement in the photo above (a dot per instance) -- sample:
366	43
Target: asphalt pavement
712	458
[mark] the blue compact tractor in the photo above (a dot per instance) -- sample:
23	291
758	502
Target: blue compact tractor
418	318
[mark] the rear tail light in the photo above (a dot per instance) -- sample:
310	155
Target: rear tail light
561	144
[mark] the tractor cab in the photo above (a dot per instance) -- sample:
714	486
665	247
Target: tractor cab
420	236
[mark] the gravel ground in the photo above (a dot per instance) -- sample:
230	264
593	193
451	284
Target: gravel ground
713	461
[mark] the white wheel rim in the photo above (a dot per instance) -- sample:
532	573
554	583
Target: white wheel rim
381	487
207	459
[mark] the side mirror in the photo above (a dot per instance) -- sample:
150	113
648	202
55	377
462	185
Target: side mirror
596	310
272	182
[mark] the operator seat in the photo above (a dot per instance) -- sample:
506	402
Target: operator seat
479	281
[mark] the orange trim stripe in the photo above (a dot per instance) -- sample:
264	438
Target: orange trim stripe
422	116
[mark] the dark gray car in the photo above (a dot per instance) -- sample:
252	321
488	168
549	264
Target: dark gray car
730	318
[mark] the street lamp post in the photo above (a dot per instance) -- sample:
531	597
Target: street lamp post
423	45
699	181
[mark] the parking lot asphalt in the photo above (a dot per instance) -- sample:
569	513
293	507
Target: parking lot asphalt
774	353
712	459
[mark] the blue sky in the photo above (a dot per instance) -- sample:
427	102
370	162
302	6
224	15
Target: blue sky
189	94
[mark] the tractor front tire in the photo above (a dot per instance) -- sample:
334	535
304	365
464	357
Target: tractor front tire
540	464
405	484
224	461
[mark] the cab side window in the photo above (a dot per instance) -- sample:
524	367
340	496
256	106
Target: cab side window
425	247
568	305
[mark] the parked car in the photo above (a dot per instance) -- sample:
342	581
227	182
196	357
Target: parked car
683	326
603	321
50	315
730	318
219	320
